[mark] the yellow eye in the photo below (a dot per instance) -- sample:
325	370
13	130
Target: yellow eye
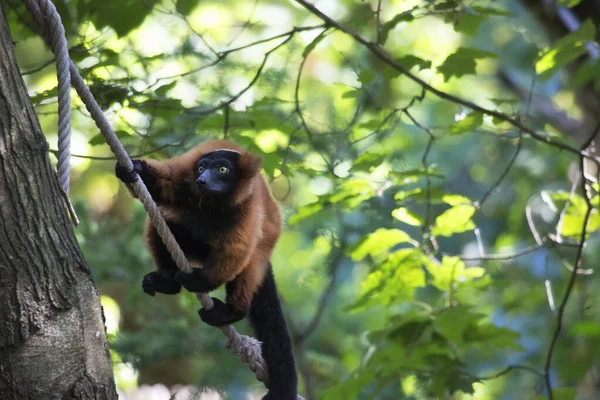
200	169
223	170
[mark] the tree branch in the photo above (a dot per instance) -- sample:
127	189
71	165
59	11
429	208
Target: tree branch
378	51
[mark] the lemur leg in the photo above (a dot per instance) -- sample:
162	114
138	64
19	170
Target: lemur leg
240	292
222	265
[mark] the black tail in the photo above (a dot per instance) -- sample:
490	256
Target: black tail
266	317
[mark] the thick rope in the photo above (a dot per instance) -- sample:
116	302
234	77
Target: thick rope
50	24
248	349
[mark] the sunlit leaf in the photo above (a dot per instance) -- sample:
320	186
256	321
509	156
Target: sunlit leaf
452	270
470	122
565	50
353	192
377	242
455	199
454	220
406	216
569	3
393	281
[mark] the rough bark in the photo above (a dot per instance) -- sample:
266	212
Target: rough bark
53	343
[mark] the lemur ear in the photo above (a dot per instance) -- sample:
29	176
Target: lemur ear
250	164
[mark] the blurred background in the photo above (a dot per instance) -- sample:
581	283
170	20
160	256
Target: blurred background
426	247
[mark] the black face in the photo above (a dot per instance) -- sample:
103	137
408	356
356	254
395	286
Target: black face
218	172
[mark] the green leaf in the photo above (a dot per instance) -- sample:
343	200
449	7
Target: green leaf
121	15
361	14
452	270
366	76
504	100
353	192
305	212
367	161
185	7
462	62
469	23
588	329
390	73
585	73
569	3
470	122
487	334
561	394
404	215
492	11
162	90
377	242
394	280
453	322
454	220
565	50
410	61
313	44
405	16
455	199
413	175
351	94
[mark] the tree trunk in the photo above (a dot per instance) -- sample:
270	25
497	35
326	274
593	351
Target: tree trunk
53	343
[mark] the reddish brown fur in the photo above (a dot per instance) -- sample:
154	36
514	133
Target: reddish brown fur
244	252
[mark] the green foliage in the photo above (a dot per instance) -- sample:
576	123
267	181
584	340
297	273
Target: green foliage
470	122
565	50
381	184
463	62
454	220
131	13
405	16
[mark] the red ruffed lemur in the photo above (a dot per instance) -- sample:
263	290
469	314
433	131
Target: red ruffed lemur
221	212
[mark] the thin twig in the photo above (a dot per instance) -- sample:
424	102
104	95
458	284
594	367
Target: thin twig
307	129
511	368
573	277
479	203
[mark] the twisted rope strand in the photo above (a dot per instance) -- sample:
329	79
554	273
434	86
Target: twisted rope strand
50	24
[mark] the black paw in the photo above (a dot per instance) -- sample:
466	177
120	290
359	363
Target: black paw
195	281
160	282
221	314
126	175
